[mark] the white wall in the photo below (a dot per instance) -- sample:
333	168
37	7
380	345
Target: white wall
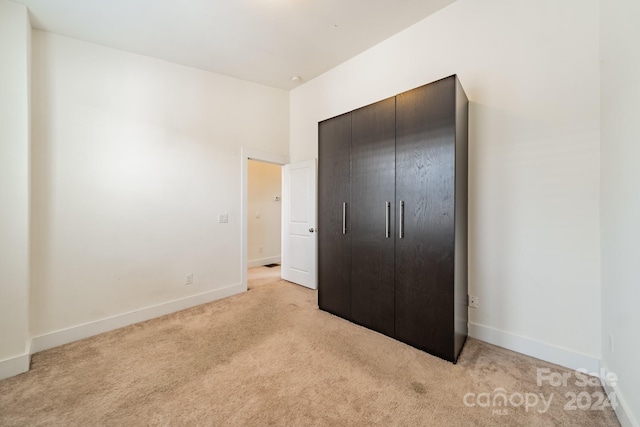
530	69
133	160
15	31
264	213
620	200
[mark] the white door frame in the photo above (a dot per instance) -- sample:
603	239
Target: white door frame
247	154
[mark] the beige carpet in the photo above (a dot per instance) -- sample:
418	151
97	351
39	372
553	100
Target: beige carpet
270	357
259	276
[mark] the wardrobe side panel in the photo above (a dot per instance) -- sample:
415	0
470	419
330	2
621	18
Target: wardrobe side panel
461	311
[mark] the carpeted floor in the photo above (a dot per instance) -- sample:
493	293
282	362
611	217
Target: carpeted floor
270	357
259	276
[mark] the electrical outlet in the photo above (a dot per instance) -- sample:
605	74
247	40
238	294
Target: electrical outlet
260	249
223	218
473	301
189	278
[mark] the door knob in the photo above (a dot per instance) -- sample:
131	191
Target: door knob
311	230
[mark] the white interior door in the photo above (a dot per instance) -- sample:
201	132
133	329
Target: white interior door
299	237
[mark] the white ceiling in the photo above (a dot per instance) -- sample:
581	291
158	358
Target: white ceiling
264	41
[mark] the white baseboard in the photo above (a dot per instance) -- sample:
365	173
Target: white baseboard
623	410
14	366
75	333
264	261
539	350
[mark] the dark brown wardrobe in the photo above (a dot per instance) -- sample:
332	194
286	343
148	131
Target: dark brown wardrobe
392	217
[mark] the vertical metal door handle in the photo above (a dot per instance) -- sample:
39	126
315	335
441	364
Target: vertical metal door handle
344	218
401	233
387	209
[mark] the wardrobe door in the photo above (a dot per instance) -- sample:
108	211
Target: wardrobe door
372	215
334	234
425	184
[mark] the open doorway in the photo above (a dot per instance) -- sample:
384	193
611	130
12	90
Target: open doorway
264	221
249	156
